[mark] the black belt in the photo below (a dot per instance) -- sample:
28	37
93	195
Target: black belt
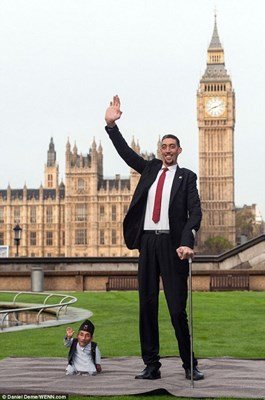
158	232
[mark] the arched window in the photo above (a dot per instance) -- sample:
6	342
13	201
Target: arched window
50	180
80	184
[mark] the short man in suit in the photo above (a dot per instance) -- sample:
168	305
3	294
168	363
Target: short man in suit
84	356
161	222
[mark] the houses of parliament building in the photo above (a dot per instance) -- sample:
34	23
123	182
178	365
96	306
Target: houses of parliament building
83	216
79	218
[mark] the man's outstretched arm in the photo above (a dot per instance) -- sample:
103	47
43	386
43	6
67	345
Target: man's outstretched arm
113	113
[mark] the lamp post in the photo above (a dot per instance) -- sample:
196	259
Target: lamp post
17	236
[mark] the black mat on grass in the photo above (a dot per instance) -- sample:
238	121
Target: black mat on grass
224	377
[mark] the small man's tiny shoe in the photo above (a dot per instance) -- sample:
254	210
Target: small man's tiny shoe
149	373
197	375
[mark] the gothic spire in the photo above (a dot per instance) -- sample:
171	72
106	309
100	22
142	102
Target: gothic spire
75	148
51	154
94	145
215	41
215	70
68	146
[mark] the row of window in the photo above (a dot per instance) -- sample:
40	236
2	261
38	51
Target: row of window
216	218
80	213
49	238
102	212
80	237
49	214
80	255
215	87
217	206
215	191
215	122
216	58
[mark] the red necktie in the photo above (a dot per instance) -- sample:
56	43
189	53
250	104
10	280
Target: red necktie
158	196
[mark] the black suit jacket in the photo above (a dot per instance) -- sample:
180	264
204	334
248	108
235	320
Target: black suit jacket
184	207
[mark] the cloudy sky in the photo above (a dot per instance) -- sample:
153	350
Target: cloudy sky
62	60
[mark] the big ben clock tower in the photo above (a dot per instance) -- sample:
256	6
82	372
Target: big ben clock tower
216	121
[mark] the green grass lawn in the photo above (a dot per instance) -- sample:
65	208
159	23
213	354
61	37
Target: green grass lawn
225	324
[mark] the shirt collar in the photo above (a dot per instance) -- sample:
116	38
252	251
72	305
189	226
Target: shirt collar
86	347
171	167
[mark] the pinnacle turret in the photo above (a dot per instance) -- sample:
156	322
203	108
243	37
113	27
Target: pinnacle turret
68	145
94	145
51	169
51	154
75	149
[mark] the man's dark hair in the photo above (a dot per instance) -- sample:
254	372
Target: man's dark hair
171	137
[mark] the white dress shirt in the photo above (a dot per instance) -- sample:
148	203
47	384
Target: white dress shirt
82	360
163	223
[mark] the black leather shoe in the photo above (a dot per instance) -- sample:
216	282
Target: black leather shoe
150	372
197	375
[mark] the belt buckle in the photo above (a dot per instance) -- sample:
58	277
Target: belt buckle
157	232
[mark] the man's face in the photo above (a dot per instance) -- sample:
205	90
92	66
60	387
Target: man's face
84	338
169	151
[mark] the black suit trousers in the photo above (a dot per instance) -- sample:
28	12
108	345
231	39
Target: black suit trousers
158	257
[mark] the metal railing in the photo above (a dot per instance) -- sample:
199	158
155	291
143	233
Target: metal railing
63	304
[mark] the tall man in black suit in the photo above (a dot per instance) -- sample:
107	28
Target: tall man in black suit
161	222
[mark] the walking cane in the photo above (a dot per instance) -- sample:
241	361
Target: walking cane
191	323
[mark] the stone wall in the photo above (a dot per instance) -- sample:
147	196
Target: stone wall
91	280
92	273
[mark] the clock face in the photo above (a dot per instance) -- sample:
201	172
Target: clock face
215	106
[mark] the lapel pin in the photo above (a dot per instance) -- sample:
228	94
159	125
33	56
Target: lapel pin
180	177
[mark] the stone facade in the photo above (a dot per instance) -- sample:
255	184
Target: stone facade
216	121
81	217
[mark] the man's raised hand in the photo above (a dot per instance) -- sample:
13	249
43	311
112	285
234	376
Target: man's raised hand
113	112
69	332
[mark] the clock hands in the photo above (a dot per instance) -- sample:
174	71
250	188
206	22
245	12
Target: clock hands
217	105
